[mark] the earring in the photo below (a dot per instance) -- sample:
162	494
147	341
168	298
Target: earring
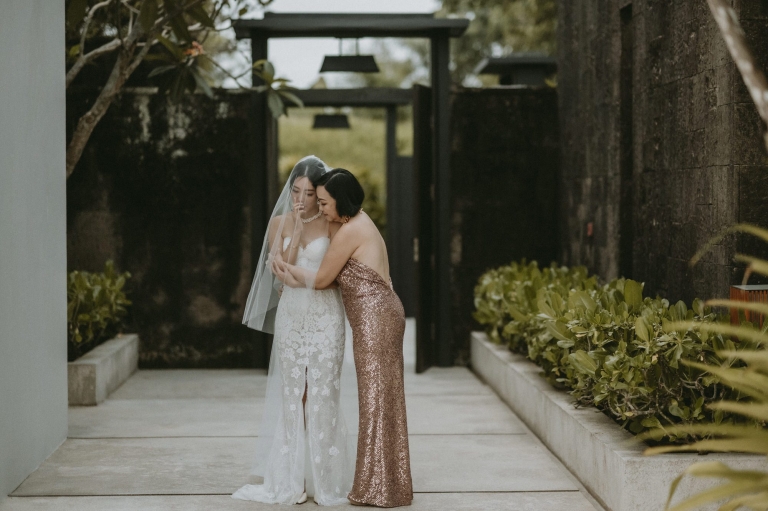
345	218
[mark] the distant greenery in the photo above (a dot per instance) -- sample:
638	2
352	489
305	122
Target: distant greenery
608	345
96	306
361	150
499	27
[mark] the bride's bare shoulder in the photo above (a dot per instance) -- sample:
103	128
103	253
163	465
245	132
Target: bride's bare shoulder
286	220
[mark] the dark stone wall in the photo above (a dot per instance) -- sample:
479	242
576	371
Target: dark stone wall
661	144
505	177
166	197
162	190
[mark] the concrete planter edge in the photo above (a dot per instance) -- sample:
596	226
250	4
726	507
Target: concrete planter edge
598	452
92	377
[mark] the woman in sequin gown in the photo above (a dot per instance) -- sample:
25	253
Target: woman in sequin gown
357	261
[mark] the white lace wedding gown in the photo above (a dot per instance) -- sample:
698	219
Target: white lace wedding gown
308	351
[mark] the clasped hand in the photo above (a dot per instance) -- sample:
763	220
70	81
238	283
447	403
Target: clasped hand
282	270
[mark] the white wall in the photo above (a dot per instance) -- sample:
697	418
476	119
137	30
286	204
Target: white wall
33	377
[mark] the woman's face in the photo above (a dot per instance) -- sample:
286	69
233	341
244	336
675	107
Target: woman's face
327	205
304	194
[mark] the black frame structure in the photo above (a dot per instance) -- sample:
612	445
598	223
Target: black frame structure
435	339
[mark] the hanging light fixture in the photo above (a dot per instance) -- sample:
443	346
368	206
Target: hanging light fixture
349	63
331	121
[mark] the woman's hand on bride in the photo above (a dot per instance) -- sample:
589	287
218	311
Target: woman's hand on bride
291	281
279	267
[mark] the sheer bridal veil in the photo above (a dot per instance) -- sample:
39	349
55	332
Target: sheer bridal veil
261	310
265	292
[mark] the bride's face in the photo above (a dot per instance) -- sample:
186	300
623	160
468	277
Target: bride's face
327	205
303	193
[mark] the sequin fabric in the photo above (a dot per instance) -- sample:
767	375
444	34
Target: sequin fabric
375	313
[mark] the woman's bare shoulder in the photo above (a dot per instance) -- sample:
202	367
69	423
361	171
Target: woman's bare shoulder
286	220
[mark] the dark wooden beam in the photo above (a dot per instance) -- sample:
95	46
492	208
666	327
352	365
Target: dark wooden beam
364	97
259	188
349	25
441	119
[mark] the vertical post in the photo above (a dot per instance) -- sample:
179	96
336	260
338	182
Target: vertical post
391	155
626	143
441	87
423	216
259	185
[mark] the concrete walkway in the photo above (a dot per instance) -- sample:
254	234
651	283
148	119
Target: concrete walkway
183	440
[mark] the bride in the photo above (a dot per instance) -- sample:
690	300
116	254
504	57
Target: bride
302	423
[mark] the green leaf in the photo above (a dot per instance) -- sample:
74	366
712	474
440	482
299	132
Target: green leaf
171	47
293	98
160	70
641	330
633	294
148	14
202	83
179	27
199	14
275	104
581	361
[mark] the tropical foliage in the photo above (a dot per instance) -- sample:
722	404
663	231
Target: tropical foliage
608	345
96	306
741	488
499	27
168	34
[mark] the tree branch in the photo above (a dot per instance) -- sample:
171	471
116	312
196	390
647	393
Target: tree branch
736	41
125	65
87	23
88	57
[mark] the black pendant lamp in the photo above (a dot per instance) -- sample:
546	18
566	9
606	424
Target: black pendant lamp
331	121
349	63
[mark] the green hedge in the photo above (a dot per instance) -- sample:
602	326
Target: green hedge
96	306
607	343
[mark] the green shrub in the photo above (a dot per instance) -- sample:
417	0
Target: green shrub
606	344
96	306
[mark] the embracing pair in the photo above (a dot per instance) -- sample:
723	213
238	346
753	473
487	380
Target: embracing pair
323	259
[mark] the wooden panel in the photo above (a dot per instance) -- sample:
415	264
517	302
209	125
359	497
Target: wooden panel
749	294
400	231
261	139
362	97
423	231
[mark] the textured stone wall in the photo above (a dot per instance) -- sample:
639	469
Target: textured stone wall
162	189
661	145
504	166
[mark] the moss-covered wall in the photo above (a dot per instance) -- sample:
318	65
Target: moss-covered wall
162	190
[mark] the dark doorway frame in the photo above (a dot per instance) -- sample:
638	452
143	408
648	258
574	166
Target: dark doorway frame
400	228
439	344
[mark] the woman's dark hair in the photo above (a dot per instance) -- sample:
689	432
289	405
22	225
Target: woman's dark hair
310	167
343	186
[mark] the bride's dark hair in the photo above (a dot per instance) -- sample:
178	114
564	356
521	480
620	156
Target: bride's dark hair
310	167
344	187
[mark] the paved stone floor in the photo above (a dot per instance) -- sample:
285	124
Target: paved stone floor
183	440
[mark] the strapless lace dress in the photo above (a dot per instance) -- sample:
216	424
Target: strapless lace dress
309	339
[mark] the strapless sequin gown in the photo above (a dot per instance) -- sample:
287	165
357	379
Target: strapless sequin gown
375	313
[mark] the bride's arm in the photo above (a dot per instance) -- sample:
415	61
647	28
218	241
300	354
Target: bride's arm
342	247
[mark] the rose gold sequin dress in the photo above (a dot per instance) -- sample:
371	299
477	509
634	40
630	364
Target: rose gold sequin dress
383	468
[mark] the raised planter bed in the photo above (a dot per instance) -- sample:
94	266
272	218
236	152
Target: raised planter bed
601	454
93	376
